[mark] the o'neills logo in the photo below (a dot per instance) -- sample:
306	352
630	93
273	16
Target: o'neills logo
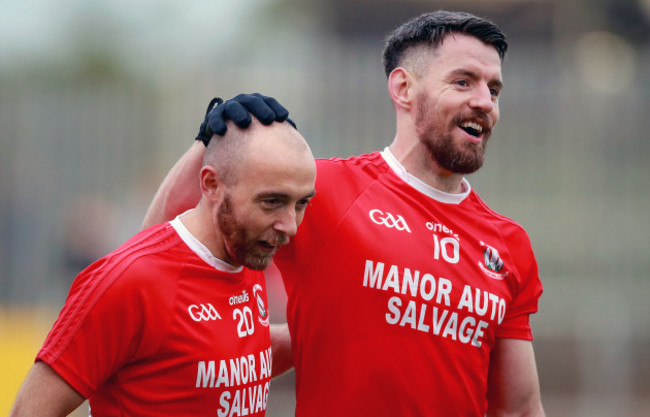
238	299
264	314
389	220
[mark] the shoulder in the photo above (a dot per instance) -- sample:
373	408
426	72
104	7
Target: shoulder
507	225
134	264
355	171
365	162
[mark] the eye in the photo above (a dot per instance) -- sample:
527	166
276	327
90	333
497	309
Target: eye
494	92
271	203
302	204
462	83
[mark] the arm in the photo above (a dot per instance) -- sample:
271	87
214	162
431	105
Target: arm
44	393
281	349
179	190
513	384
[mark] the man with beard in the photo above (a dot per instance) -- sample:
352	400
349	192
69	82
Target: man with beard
174	322
407	295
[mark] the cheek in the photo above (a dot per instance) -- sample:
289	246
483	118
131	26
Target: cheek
257	224
299	216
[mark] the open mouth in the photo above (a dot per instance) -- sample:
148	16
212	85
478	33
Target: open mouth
266	245
472	128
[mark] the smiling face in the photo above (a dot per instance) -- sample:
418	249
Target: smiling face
261	208
457	102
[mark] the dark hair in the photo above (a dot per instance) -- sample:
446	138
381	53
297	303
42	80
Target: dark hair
431	28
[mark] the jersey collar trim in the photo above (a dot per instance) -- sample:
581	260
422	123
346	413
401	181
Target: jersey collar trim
200	249
422	187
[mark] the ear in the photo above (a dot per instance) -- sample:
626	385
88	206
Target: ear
210	182
400	87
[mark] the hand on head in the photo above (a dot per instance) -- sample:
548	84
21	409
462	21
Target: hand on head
239	109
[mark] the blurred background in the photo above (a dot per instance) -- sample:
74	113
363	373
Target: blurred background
98	98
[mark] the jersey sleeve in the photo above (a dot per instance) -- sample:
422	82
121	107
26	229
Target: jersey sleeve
112	316
528	289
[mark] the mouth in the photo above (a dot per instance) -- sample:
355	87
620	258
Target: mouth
472	128
271	246
266	246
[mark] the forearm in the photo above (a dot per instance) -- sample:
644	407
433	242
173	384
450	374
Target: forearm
281	349
180	190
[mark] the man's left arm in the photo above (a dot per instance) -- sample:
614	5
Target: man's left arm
513	383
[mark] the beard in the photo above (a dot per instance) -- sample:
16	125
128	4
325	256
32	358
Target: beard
463	158
239	246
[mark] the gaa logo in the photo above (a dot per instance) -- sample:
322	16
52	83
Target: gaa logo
203	312
388	220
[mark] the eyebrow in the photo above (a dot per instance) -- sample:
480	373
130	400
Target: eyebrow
496	83
280	195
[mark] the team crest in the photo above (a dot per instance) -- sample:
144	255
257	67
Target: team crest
492	264
263	312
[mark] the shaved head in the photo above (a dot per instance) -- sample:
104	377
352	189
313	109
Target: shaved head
228	153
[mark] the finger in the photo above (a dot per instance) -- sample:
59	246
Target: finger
281	113
213	103
216	122
237	113
257	106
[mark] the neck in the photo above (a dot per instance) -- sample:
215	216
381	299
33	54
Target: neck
201	225
417	161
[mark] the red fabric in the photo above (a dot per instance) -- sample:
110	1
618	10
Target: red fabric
382	322
129	340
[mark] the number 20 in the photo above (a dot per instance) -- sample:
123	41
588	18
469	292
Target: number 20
246	325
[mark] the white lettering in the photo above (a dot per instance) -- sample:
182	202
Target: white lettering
466	299
409	315
466	336
205	375
393	305
235	405
481	310
437	322
427	279
235	375
444	288
502	310
495	302
444	323
451	329
421	326
223	374
372	278
224	401
410	280
479	333
392	280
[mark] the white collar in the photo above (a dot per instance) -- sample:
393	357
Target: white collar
199	248
422	187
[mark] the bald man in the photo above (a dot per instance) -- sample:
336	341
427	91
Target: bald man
174	322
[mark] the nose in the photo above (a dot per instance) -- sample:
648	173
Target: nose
287	223
483	100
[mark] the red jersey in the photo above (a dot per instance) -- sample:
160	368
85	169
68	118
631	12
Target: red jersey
160	327
397	293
